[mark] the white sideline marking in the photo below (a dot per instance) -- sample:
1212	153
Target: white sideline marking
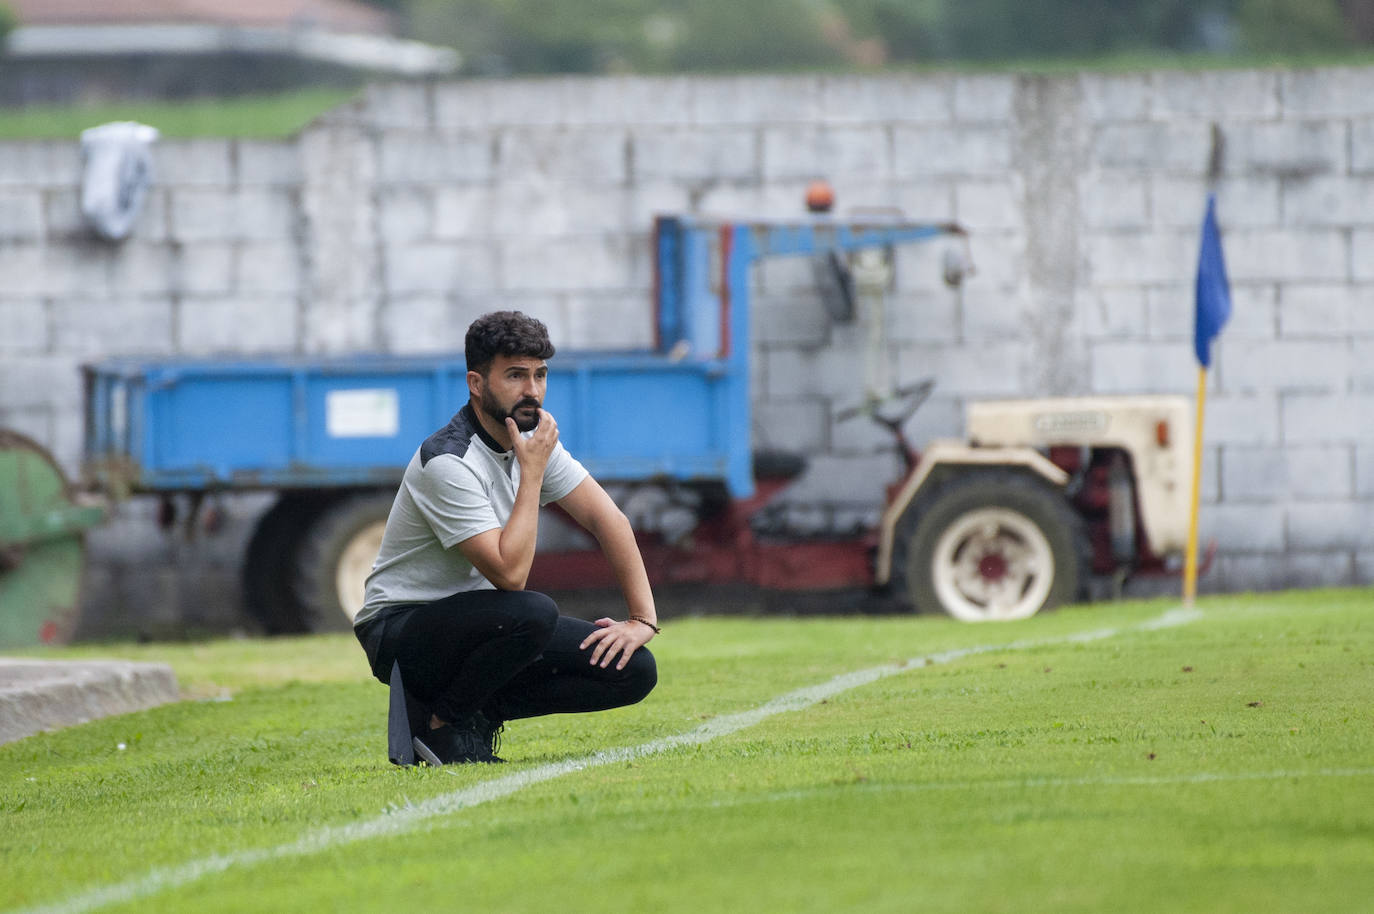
1179	615
411	816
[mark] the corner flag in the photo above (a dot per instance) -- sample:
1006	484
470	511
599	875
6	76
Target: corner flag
1213	291
1213	309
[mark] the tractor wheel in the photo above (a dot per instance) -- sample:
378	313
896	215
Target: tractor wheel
990	545
269	563
335	558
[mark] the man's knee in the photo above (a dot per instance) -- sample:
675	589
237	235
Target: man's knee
641	675
538	613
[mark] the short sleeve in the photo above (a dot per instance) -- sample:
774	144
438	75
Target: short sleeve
453	501
562	474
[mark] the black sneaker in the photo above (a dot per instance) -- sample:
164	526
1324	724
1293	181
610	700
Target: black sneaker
457	743
490	732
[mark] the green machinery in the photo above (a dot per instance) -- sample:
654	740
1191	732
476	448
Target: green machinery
42	548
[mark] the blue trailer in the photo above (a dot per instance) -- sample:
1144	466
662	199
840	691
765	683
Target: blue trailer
332	435
300	422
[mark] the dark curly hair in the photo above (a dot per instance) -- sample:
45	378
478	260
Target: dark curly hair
505	333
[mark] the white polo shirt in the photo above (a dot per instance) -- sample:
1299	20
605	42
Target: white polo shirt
459	484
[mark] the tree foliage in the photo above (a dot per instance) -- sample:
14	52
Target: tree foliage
592	36
993	29
584	36
1359	17
1288	27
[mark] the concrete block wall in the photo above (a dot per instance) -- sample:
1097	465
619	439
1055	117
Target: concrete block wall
391	222
215	264
212	265
1290	419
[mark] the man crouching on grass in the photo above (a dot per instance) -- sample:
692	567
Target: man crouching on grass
446	600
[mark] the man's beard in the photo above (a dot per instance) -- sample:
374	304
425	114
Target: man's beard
523	421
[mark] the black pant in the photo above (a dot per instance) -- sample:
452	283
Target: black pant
508	654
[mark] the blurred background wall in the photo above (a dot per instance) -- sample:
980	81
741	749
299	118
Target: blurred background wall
391	222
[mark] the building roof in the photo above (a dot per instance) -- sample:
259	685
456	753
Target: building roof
345	32
330	15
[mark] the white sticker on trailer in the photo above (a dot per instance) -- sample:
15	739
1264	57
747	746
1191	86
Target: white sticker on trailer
369	413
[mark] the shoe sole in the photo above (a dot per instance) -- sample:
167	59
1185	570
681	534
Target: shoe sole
426	753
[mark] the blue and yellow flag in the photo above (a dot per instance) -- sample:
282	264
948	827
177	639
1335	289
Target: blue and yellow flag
1213	291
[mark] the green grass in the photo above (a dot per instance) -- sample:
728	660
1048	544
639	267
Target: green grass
258	117
1224	765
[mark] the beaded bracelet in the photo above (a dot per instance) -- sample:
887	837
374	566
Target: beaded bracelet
656	629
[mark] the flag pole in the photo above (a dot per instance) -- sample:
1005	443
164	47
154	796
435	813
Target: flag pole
1213	308
1190	558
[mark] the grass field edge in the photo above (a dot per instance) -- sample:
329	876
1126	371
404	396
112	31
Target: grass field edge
406	818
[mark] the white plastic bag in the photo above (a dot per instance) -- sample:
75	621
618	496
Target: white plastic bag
118	169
